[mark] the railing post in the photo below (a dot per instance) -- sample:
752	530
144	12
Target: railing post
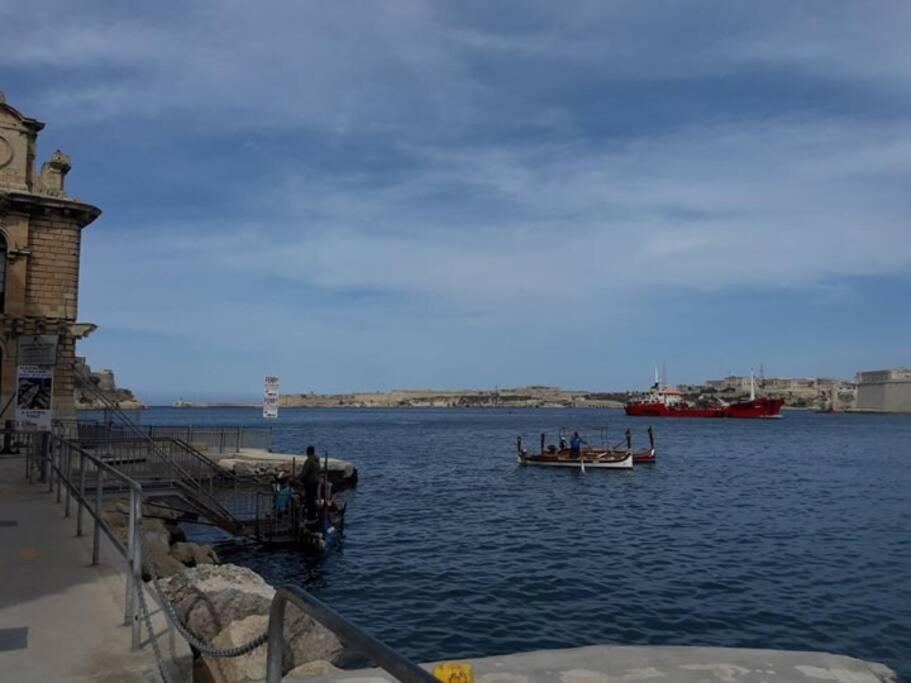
59	468
69	478
275	651
134	566
28	460
80	502
99	486
131	548
221	440
47	472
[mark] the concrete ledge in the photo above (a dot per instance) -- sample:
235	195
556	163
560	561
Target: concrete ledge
623	664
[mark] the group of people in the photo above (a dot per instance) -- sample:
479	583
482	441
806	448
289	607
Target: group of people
575	444
304	485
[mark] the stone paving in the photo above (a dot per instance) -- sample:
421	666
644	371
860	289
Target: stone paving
61	619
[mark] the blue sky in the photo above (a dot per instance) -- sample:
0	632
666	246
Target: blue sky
360	196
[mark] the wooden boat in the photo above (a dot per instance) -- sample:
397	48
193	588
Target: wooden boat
596	460
614	457
639	457
642	457
563	457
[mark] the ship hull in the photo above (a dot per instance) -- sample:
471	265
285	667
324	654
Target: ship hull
760	408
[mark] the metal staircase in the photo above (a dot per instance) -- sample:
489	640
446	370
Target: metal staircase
161	463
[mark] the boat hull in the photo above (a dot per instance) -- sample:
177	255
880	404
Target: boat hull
760	408
609	462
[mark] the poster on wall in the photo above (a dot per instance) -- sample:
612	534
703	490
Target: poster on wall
270	398
34	394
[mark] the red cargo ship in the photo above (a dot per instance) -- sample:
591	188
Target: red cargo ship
669	403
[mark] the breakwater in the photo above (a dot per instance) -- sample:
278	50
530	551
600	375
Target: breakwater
789	534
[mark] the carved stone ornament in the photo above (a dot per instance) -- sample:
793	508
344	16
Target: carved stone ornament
6	152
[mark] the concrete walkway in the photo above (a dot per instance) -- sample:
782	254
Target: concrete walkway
655	664
60	618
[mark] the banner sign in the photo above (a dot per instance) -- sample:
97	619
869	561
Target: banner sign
34	393
270	398
39	349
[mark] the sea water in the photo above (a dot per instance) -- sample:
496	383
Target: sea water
791	533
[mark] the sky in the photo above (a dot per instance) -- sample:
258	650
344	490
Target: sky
372	195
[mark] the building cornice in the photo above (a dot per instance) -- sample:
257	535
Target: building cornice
34	203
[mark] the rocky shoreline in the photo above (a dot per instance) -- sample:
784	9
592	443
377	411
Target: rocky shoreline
224	604
227	606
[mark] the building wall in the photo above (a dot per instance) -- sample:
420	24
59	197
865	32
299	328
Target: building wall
52	282
42	226
884	394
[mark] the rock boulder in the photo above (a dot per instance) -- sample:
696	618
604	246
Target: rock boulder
224	602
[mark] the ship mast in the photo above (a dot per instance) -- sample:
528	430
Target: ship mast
752	386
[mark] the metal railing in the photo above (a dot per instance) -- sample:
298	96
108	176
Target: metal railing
82	478
380	654
211	439
76	474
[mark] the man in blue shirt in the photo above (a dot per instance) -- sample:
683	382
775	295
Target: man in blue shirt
575	445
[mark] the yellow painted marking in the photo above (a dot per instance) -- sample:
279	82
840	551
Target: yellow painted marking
29	553
452	672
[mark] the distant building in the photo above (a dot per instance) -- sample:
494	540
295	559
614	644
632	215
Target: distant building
40	236
884	390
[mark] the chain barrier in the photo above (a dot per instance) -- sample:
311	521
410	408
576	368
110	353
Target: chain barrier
205	648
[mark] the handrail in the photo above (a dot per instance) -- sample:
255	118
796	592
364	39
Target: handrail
58	453
162	449
403	669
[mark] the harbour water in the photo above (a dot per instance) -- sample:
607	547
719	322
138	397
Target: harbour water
792	533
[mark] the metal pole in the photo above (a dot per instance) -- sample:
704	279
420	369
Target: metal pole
131	547
47	472
59	470
28	462
69	479
80	505
359	641
276	643
99	486
135	570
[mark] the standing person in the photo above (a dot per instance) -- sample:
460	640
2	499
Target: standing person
575	445
309	478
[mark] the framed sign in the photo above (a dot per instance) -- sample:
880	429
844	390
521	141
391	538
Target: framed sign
37	349
270	398
34	397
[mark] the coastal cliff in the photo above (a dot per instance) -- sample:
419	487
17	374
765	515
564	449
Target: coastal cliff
105	383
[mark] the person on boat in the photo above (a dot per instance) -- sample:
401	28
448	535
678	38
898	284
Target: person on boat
575	445
283	493
309	480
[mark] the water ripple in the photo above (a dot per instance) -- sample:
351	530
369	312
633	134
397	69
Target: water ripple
793	534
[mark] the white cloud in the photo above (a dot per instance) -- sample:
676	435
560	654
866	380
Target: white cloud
765	205
425	68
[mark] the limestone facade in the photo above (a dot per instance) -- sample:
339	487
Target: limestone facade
40	238
884	390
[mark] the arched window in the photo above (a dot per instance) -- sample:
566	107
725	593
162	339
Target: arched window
2	273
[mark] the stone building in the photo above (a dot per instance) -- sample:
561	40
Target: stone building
884	390
40	237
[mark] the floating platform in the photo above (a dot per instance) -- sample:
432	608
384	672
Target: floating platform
259	462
